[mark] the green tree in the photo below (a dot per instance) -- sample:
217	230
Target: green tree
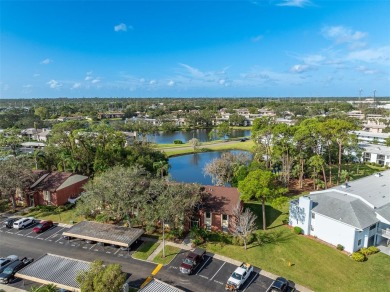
11	138
42	112
260	185
101	278
262	136
15	174
223	130
195	144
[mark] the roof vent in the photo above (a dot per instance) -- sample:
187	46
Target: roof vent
378	174
346	185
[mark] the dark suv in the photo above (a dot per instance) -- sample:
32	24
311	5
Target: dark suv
9	272
193	259
10	221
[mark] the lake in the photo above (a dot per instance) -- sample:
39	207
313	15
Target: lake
201	134
189	168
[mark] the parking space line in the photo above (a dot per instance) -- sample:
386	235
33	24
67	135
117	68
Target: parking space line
46	231
158	268
92	246
55	233
29	233
58	239
117	251
203	266
203	276
217	271
251	281
218	282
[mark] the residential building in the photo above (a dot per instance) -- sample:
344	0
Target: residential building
355	214
376	153
370	137
55	188
216	211
111	115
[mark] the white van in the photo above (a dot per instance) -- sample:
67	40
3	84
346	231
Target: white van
22	223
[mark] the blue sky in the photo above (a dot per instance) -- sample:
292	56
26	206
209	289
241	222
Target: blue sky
267	48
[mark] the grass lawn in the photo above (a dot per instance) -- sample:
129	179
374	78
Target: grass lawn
170	253
314	265
145	250
63	217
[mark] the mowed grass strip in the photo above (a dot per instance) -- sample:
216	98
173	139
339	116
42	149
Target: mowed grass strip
66	216
313	264
145	250
170	253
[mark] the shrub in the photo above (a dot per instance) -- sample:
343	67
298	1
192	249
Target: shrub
373	249
340	247
251	238
237	241
102	218
358	257
364	251
219	236
177	142
150	229
297	230
197	241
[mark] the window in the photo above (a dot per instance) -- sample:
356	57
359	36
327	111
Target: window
207	220
47	196
225	223
372	227
359	242
208	215
313	215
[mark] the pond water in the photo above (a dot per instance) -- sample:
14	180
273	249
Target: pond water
189	168
201	134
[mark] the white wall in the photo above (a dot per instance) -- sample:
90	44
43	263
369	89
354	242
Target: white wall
333	232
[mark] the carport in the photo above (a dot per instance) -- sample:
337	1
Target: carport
54	269
159	286
105	233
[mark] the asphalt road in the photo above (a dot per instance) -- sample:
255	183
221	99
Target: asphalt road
211	275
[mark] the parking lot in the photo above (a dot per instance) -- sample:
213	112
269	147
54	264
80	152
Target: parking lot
54	234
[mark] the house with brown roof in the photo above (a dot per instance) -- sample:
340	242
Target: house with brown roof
55	188
216	210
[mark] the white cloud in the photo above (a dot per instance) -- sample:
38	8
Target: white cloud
87	78
193	71
122	27
300	68
152	82
95	81
295	3
341	34
47	61
27	86
36	75
76	85
54	84
257	38
379	55
366	70
171	83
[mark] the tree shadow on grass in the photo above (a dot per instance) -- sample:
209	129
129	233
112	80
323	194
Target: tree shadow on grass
274	237
271	214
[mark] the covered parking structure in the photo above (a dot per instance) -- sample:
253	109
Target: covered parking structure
156	285
54	269
104	233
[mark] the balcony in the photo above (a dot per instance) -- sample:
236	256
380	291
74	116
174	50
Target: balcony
384	233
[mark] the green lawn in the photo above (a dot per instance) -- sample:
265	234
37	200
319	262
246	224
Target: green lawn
64	217
170	253
313	264
145	250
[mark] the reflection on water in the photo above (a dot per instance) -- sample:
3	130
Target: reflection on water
189	168
201	134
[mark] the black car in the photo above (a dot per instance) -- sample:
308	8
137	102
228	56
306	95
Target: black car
9	272
279	285
10	221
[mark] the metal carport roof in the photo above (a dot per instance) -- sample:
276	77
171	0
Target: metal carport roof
159	286
54	269
106	233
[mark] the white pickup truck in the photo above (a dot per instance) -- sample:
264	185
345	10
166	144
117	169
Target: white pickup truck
238	277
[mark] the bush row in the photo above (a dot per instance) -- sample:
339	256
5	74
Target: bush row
363	253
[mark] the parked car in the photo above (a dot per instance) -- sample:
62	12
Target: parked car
279	285
10	221
43	226
23	223
4	262
193	259
9	272
238	277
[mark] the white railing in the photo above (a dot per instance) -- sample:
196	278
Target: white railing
384	233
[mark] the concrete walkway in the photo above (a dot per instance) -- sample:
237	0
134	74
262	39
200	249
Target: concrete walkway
7	288
186	245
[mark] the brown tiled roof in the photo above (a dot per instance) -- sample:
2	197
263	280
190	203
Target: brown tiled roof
52	181
220	199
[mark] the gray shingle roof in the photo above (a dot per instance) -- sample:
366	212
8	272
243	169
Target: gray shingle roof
159	286
72	180
58	270
384	212
344	208
107	233
375	190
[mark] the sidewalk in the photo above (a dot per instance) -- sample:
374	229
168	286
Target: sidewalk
186	245
7	288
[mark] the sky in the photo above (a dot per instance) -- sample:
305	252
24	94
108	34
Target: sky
259	48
